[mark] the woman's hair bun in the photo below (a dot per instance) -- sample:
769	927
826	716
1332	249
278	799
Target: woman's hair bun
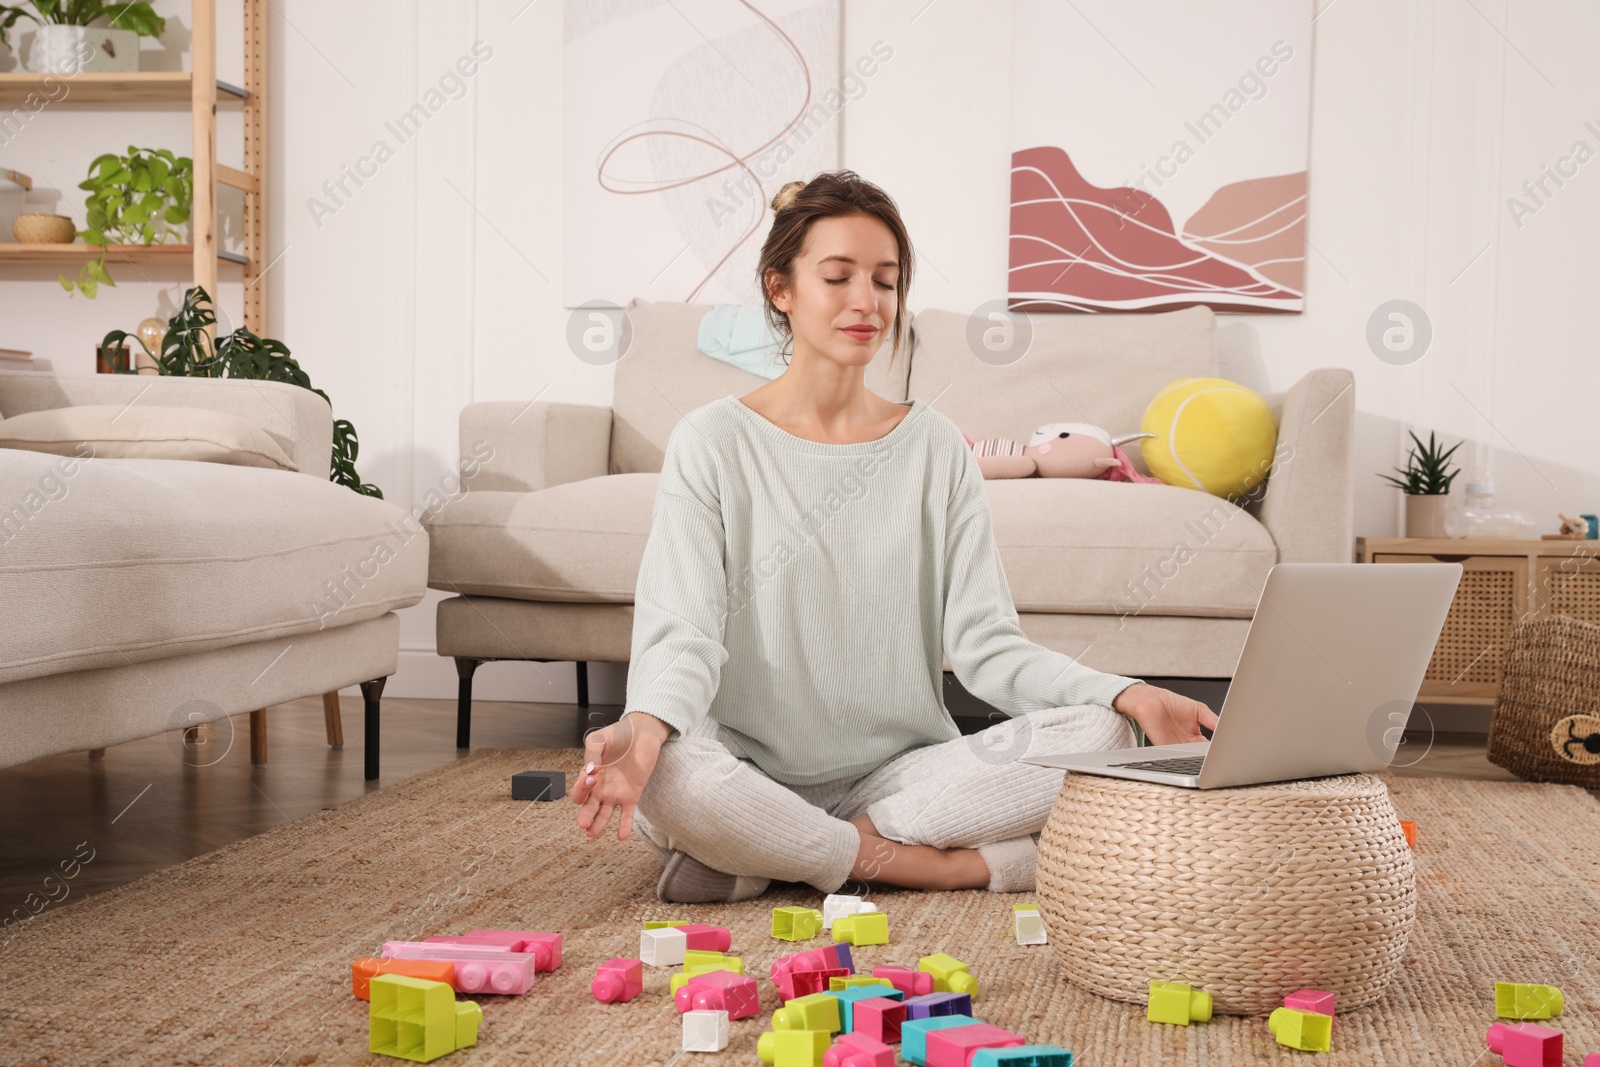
786	195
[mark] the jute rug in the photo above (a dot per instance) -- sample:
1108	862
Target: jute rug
242	956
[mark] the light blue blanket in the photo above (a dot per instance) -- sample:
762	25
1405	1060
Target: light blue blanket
739	334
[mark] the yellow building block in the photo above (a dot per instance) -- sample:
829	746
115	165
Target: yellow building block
1519	1000
850	981
1308	1031
950	975
651	924
796	924
417	1019
819	1011
728	963
1176	1002
793	1048
699	957
862	928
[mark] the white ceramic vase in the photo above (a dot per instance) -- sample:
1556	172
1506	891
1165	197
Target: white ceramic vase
57	50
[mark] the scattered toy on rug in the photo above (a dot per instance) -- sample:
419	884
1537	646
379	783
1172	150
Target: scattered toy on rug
1028	925
795	923
1308	1031
1176	1002
1409	828
619	979
1521	1001
1525	1044
705	1031
538	785
417	1019
862	928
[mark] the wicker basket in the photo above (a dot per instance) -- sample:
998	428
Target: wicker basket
1546	721
34	228
1248	894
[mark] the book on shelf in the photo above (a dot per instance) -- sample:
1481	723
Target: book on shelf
16	354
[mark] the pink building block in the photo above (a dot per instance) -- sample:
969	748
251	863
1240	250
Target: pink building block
954	1047
706	938
618	979
1310	1000
479	968
545	945
856	1049
878	1017
1592	1060
816	959
1526	1044
804	983
736	994
909	980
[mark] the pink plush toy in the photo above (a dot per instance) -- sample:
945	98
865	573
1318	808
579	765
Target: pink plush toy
1060	450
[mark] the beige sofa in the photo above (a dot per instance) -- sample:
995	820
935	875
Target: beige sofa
543	550
148	595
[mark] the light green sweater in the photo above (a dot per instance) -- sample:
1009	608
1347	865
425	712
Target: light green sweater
801	595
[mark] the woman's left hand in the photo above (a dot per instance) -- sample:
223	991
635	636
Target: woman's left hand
1167	718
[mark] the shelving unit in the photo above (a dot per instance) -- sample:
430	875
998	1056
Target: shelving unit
200	88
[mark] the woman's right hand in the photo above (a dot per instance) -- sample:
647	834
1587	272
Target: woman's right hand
618	760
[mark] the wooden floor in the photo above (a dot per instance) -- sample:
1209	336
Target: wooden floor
153	803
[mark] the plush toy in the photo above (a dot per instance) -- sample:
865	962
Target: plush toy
1060	450
1209	434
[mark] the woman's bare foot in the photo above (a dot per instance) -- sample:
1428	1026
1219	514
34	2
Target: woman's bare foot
915	866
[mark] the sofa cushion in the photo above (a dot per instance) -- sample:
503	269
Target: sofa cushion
113	561
579	541
1067	544
1103	369
144	431
663	376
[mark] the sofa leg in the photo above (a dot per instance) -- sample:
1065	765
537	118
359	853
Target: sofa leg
332	721
464	671
583	684
97	754
370	692
258	737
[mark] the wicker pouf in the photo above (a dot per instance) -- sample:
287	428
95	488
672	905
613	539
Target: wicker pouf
1248	894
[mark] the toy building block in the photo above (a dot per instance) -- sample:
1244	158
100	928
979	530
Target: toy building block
938	1004
618	979
816	1011
804	983
793	1048
415	1019
663	947
700	957
1592	1060
1028	925
657	924
543	946
950	975
1310	1000
720	991
796	924
849	998
914	1035
1526	1044
727	964
1308	1031
705	1031
864	928
1022	1056
909	980
858	1050
850	981
479	968
954	1047
362	972
1409	828
838	904
702	937
1522	1001
538	785
878	1017
1175	1002
816	959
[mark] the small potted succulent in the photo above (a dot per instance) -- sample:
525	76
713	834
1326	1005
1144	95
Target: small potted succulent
1427	475
68	41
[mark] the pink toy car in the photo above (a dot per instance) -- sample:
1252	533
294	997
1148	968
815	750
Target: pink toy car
736	994
858	1050
479	968
909	980
618	979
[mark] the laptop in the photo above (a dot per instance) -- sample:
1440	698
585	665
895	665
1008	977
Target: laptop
1324	685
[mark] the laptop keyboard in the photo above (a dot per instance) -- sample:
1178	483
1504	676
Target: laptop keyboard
1171	765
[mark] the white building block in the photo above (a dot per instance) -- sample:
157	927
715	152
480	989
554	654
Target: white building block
663	947
1030	927
705	1031
838	905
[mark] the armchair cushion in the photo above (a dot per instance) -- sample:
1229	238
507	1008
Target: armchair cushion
141	431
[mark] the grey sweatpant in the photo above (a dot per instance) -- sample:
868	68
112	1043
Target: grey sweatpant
706	798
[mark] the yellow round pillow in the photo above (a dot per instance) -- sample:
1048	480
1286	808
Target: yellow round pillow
1210	434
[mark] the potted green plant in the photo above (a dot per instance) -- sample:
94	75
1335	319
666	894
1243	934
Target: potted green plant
1427	475
68	40
187	348
136	199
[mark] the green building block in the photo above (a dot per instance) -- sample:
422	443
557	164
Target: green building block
652	924
862	928
415	1019
1308	1031
850	981
950	975
1518	1000
1175	1002
793	1048
726	963
819	1011
796	924
700	957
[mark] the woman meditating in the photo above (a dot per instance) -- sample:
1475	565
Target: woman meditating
815	551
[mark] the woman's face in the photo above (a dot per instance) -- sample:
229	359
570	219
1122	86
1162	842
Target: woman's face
842	301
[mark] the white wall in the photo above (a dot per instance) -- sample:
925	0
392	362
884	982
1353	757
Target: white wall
438	281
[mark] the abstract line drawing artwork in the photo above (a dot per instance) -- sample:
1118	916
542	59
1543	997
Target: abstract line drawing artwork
682	119
1152	171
